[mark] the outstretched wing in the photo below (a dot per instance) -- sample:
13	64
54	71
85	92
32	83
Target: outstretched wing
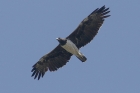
89	27
84	33
52	61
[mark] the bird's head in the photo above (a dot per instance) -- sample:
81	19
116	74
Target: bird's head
62	41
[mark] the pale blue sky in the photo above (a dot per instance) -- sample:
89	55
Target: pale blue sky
28	29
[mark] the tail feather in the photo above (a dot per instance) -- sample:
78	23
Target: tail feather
81	57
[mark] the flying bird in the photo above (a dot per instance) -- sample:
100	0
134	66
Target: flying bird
70	45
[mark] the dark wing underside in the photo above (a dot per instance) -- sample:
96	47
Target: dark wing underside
89	27
52	61
85	32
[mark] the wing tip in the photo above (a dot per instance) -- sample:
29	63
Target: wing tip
103	10
36	73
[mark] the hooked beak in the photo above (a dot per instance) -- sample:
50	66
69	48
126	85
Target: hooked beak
57	38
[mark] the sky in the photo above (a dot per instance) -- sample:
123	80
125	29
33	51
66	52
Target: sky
29	28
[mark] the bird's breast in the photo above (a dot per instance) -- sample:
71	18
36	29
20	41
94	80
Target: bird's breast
70	47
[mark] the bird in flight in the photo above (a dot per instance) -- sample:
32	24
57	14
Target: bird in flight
70	45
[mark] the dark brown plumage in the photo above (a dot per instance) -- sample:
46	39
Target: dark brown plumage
89	27
52	61
83	34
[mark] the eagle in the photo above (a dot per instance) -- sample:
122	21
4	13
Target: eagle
71	45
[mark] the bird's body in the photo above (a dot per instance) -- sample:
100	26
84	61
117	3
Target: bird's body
70	45
71	48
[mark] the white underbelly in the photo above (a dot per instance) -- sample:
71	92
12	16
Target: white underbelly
70	47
